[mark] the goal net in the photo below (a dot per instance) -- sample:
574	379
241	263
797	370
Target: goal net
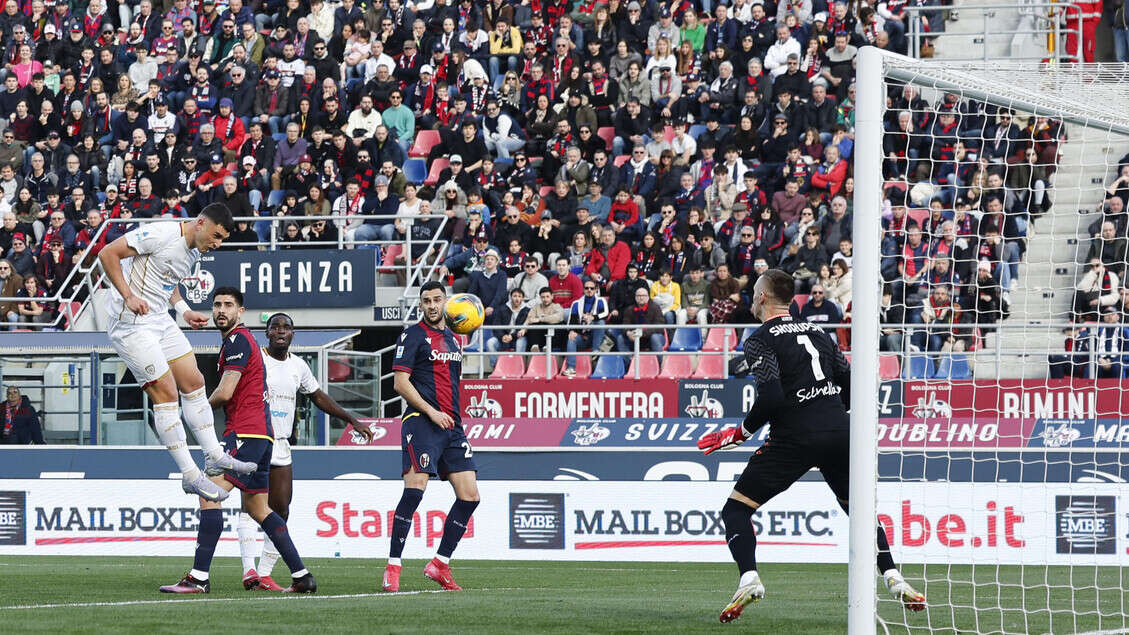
989	311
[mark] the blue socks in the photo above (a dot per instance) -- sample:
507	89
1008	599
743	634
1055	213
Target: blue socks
275	529
402	521
208	534
455	527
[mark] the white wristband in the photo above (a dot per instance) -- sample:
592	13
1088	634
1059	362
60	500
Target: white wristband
182	308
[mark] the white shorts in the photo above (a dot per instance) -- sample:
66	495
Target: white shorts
281	453
147	348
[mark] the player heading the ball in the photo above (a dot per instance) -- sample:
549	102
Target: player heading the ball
145	267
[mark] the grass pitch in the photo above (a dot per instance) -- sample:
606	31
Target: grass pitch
101	594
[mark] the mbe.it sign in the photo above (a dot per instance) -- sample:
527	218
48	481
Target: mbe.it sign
321	278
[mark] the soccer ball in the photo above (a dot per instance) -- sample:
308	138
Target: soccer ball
464	313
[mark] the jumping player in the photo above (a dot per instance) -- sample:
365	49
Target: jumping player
427	368
248	437
287	375
803	388
144	267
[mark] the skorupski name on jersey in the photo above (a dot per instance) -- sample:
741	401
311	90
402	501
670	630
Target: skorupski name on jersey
792	327
828	389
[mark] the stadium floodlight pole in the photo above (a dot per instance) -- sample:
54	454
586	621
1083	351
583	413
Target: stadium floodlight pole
863	548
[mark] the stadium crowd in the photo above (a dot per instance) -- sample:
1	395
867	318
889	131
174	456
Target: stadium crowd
589	148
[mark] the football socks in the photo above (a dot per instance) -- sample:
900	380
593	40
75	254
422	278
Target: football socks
402	521
739	534
457	520
166	419
247	530
885	560
198	416
275	529
211	526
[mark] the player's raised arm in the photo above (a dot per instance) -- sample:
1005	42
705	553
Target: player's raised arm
222	394
329	406
403	385
111	258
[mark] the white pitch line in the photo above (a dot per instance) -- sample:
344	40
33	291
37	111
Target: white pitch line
1116	631
285	598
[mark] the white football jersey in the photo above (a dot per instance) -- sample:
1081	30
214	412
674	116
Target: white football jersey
163	259
285	379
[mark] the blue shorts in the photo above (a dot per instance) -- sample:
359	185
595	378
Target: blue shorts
256	450
432	450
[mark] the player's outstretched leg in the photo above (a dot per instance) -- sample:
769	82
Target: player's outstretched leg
742	541
895	583
198	415
166	421
275	529
401	527
248	531
439	569
208	534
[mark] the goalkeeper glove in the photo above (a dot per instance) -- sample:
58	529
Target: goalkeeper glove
723	440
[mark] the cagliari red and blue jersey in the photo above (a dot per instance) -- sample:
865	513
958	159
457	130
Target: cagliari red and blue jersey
248	412
434	361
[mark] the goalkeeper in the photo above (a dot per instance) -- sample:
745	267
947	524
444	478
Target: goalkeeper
803	388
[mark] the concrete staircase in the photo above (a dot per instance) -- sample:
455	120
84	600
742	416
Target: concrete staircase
971	37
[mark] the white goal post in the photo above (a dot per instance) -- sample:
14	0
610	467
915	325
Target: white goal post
1091	103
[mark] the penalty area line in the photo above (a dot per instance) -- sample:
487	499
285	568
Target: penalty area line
281	598
1112	631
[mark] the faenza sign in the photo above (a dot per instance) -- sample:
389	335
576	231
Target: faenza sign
287	279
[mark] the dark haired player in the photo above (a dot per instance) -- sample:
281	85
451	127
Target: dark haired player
248	437
287	375
144	267
803	388
427	368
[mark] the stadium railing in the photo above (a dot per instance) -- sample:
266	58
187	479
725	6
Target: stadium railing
78	289
1048	18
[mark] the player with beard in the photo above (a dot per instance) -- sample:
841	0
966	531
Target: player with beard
427	368
803	387
287	375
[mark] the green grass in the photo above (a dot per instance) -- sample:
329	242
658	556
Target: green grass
534	597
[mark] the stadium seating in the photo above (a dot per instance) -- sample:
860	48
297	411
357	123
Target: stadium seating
696	130
686	340
437	167
607	133
800	299
537	367
648	367
677	366
425	140
917	367
607	367
710	367
715	341
339	371
508	367
889	367
952	367
415	170
621	159
583	367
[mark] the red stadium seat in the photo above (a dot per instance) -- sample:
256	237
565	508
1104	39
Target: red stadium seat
621	159
677	367
545	190
607	133
583	367
648	367
537	367
888	367
339	371
508	367
918	215
425	140
715	341
710	367
800	299
437	166
669	134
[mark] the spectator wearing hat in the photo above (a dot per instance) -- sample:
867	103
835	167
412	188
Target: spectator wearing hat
228	129
489	283
272	101
461	265
21	258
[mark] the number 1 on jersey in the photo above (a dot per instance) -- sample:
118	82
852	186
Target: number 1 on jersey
816	369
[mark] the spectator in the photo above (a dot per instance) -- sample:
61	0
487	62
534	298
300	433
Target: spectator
589	313
725	295
529	278
566	286
839	288
1110	249
940	315
489	283
10	284
1074	361
21	421
511	316
803	262
642	312
1098	288
891	315
695	298
819	308
34	311
1111	343
546	312
667	295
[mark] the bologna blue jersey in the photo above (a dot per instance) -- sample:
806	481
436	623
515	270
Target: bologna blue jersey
248	413
434	361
